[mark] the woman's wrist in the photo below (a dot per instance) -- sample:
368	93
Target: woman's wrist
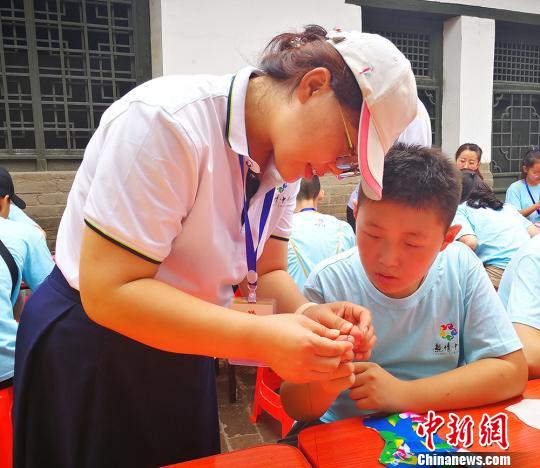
304	307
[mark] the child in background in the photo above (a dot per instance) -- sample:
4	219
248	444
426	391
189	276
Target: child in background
430	300
520	294
468	156
492	229
16	212
315	236
524	194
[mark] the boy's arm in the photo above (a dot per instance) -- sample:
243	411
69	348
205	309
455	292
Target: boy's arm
306	402
479	383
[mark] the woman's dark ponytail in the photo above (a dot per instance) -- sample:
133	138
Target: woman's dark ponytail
289	56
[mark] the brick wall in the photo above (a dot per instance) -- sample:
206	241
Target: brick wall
45	194
336	195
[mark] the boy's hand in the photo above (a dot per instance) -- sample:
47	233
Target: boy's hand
376	389
349	319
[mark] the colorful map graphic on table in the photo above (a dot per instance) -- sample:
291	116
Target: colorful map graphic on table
402	443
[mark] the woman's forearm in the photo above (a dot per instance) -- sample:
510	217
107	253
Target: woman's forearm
279	285
163	317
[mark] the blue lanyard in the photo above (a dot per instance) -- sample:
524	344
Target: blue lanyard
530	195
251	251
307	209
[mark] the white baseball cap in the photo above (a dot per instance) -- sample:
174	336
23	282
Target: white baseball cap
389	94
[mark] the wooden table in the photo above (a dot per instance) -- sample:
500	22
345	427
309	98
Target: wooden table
270	455
349	443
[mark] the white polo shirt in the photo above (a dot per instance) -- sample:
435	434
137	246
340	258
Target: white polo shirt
161	178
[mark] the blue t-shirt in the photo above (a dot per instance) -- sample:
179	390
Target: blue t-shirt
520	285
18	215
315	237
518	196
499	233
452	319
34	262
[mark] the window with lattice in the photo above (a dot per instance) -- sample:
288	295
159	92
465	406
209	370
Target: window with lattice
62	63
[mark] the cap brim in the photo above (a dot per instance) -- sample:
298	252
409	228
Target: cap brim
17	201
370	156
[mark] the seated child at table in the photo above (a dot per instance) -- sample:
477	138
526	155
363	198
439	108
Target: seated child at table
492	229
524	194
444	340
520	294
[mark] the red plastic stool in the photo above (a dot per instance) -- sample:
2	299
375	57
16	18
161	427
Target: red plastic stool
266	398
6	430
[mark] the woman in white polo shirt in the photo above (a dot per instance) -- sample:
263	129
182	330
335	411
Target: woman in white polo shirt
153	237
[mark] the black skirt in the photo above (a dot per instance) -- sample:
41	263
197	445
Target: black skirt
88	397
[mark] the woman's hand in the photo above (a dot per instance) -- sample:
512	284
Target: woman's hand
350	319
299	349
343	377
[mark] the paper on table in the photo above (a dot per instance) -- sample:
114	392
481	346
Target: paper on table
528	411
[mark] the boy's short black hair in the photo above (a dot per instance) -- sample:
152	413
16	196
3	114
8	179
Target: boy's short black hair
421	178
309	189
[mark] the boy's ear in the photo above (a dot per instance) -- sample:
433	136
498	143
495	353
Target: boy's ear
450	235
320	196
4	206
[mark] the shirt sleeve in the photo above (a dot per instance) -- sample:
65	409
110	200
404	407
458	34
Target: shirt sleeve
462	219
524	298
38	262
349	238
512	196
487	328
145	182
284	226
313	290
526	222
18	215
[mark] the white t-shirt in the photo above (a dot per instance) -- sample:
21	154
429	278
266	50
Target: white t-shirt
452	319
161	178
418	132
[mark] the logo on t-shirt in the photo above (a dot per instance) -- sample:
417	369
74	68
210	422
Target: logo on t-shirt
447	342
281	198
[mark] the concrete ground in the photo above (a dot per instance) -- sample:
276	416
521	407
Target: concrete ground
236	429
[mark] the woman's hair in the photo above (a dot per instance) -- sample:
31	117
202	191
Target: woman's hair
289	56
531	157
309	189
477	193
469	147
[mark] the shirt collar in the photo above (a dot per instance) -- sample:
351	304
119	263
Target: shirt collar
235	129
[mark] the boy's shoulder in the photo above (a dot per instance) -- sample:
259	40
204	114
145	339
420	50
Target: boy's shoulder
515	186
338	278
347	260
459	256
16	229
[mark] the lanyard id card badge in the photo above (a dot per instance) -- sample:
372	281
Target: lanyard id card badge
253	304
531	195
